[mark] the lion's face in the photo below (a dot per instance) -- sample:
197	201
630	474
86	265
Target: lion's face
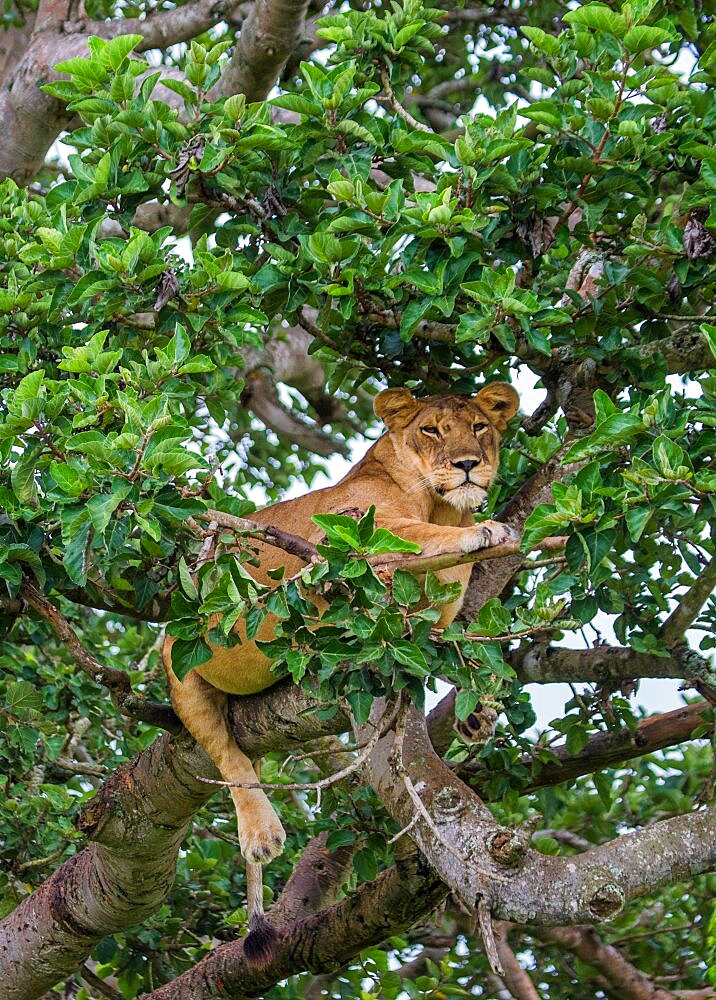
450	443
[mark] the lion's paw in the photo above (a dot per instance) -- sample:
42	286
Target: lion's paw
490	533
262	841
479	726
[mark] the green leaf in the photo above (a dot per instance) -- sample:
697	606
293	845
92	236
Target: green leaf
465	703
603	785
709	332
24	554
542	41
383	540
75	558
441	593
22	476
102	507
640	38
406	589
22	697
69	479
341	531
410	655
26	392
360	703
597	16
187	584
117	50
189	653
339	838
670	458
233	281
637	519
616	429
542	522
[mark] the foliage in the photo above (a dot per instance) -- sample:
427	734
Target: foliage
428	257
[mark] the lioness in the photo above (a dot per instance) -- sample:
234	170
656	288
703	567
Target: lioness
424	477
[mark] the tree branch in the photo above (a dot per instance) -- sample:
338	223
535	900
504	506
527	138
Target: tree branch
584	942
118	682
606	749
322	942
535	663
268	36
136	823
166	27
518	883
260	395
688	607
488	582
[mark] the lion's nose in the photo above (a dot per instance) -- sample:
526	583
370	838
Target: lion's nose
466	465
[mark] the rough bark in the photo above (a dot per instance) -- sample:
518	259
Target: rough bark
395	900
165	27
478	858
535	663
269	35
489	580
136	824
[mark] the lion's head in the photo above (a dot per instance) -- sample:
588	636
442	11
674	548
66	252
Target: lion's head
451	443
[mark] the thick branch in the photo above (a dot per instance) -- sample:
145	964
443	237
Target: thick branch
315	882
268	37
610	665
684	351
477	858
689	605
30	119
136	822
487	582
260	395
608	749
166	27
630	982
322	942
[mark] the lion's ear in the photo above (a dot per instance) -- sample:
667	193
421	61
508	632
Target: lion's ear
395	407
499	401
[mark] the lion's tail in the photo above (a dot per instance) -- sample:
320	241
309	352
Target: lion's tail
260	943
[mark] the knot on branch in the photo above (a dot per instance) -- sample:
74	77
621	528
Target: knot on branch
506	848
606	901
697	670
448	803
103	804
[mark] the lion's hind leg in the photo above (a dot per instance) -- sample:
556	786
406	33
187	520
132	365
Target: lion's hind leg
204	711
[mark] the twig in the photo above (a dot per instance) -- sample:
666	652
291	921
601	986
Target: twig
269	533
78	767
688	607
117	681
38	862
487	932
395	104
406	829
105	988
381	729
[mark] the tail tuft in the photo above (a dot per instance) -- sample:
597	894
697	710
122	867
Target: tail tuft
260	943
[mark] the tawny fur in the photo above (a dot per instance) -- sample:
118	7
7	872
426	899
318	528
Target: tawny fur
419	493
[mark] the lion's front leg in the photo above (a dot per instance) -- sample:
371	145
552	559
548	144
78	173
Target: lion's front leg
438	539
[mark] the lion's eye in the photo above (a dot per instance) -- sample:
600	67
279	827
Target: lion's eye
479	427
431	430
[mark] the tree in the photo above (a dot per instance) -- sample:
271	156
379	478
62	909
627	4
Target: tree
195	311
